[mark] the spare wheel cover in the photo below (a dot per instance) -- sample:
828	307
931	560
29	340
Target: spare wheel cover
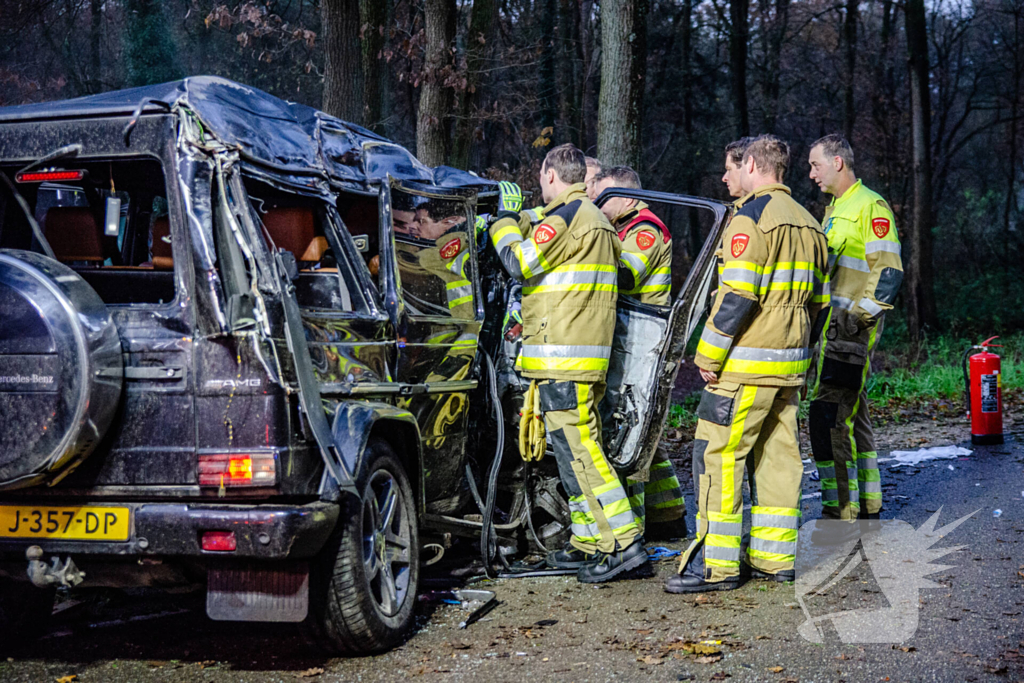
60	369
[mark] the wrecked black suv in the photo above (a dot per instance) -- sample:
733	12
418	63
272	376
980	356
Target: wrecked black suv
246	345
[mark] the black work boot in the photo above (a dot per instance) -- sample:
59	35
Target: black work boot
666	531
609	566
688	583
569	557
779	577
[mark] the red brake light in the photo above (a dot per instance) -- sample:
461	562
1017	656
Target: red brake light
237	469
49	176
219	541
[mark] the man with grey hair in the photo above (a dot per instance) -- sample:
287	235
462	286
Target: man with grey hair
865	279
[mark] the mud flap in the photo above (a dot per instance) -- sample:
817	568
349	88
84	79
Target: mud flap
258	592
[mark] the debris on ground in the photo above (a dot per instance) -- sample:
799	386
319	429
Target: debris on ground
925	454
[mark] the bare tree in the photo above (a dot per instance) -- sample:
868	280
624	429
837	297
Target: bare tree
433	137
343	60
478	48
850	38
919	295
373	15
623	73
739	34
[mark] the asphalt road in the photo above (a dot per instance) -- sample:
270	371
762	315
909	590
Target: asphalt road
969	626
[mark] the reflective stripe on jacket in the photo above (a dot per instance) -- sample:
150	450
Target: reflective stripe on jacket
867	271
568	265
773	282
645	266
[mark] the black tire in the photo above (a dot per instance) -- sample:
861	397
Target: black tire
351	610
25	611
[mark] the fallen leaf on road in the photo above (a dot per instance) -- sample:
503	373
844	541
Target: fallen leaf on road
909	649
776	669
721	676
763	638
206	664
709	659
459	645
650	659
702	649
546	622
310	673
843	656
67	679
997	668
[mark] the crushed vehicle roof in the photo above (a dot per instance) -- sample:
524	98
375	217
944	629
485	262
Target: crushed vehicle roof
285	136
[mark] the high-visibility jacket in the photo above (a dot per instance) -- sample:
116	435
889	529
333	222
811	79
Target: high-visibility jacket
867	270
447	260
645	266
773	283
568	265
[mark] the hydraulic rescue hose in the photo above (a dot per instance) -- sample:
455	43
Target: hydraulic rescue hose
487	532
532	439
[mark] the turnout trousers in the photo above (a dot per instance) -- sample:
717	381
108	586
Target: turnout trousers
842	438
740	423
602	518
660	498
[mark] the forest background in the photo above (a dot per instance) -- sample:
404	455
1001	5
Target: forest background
929	93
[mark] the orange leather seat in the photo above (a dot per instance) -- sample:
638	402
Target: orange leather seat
74	234
162	253
293	229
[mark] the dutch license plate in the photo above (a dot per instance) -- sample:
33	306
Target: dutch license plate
87	523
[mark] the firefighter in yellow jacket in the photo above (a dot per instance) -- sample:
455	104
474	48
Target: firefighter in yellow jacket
568	268
754	352
645	273
865	278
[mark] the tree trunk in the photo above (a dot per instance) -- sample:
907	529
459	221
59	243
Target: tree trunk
1011	178
589	94
343	60
433	123
850	37
739	11
919	295
150	53
547	84
373	15
571	53
776	38
478	47
623	71
94	80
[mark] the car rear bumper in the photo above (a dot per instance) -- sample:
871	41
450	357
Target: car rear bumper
265	532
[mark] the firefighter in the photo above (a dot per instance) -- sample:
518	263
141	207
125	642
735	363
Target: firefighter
568	268
435	247
645	273
865	278
645	267
733	161
753	353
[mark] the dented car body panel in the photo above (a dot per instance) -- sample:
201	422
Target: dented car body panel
303	318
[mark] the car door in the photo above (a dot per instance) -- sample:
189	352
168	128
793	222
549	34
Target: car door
650	341
431	289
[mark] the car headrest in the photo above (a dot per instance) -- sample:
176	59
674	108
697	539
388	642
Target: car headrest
73	233
291	228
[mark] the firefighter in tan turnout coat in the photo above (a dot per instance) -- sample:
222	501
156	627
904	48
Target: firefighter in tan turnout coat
754	352
568	266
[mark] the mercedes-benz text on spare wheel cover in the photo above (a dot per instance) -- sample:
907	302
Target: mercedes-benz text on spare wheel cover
60	369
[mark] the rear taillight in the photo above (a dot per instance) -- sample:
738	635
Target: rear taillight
49	176
219	541
237	469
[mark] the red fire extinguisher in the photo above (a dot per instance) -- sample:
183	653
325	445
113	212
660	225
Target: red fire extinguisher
984	393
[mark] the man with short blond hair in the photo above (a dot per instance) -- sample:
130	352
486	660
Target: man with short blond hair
865	279
753	353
